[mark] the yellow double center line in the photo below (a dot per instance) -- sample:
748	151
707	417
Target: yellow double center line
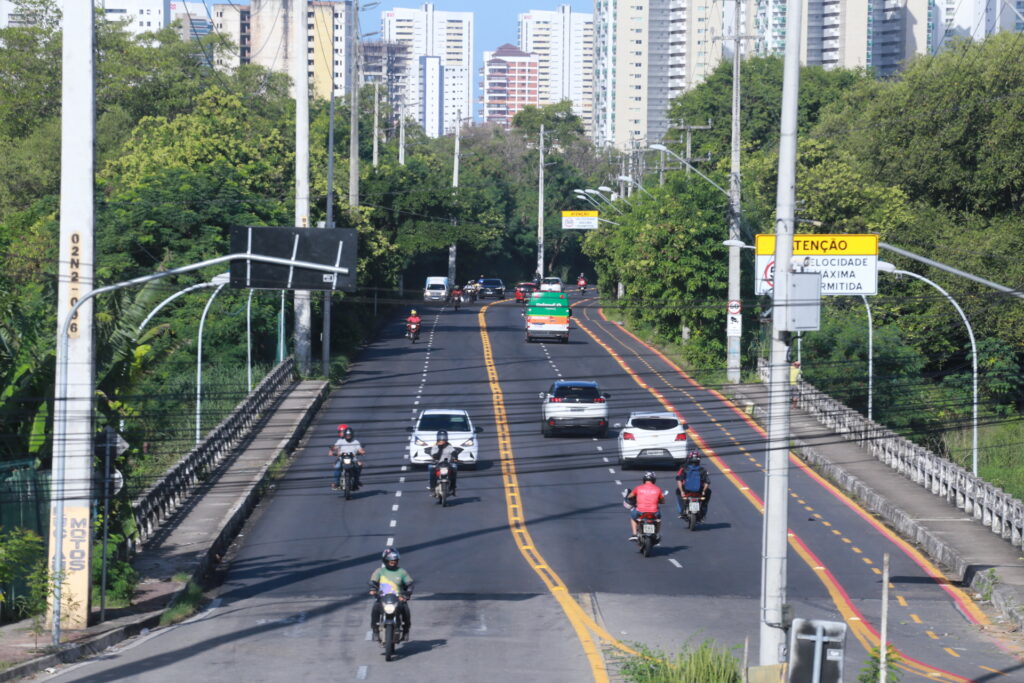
586	628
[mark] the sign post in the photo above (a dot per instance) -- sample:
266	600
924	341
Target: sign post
580	220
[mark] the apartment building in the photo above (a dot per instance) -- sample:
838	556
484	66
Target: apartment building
510	83
232	22
646	52
386	64
975	19
562	41
448	36
326	48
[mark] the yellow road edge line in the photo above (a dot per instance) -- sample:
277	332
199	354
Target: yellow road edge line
579	620
864	633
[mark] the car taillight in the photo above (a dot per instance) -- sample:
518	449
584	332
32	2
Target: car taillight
628	436
599	400
681	436
556	399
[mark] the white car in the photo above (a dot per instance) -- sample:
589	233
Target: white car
461	434
551	284
652	438
574	405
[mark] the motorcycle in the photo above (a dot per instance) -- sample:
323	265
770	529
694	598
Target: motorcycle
648	532
456	298
412	331
443	486
347	462
583	289
691	504
389	625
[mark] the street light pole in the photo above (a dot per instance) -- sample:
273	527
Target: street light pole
607	201
890	268
734	323
871	355
199	355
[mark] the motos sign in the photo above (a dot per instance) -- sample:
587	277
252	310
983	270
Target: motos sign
848	264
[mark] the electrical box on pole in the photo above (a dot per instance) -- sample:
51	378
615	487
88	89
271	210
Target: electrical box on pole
802	311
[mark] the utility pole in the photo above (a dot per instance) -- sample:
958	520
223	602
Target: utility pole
661	168
455	183
325	333
689	140
353	140
401	133
734	320
622	172
71	491
376	116
300	75
540	205
776	519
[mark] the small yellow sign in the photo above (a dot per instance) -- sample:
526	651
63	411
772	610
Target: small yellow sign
580	214
822	245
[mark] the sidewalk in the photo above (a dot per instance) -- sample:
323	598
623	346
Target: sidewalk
189	544
963	549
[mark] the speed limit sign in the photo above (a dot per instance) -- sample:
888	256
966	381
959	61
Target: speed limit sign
733	307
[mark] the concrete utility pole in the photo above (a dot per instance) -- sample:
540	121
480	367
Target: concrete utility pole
353	140
455	183
401	135
775	537
734	321
325	333
376	123
540	205
71	494
300	75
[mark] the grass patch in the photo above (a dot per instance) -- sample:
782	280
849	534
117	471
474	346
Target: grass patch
181	577
701	664
999	447
186	605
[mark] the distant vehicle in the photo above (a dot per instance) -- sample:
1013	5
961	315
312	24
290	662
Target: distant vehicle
461	434
436	289
551	284
547	316
491	287
652	438
574	404
523	291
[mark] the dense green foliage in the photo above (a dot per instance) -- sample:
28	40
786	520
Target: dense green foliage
931	160
692	664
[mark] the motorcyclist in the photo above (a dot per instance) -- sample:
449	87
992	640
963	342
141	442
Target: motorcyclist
693	461
456	295
389	573
646	497
442	451
581	282
413	319
347	444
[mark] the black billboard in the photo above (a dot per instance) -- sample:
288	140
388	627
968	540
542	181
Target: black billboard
334	247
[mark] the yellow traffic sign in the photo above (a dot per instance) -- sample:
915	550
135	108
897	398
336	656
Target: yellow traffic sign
822	245
580	214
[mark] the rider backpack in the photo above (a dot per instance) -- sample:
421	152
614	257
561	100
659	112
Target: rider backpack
692	479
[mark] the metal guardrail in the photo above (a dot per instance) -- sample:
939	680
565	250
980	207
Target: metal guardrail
987	504
161	499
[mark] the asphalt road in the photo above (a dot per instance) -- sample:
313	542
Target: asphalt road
528	574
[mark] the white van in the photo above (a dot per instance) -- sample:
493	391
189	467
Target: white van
436	289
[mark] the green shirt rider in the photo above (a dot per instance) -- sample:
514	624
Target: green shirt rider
391	578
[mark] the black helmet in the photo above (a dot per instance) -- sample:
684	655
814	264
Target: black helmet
693	457
347	433
390	555
442	435
649	477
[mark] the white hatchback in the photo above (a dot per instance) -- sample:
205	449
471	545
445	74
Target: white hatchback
652	438
461	434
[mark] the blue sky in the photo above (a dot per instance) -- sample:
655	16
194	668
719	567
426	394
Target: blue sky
495	20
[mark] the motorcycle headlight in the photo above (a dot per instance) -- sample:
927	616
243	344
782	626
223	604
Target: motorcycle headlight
389	608
419	442
468	443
